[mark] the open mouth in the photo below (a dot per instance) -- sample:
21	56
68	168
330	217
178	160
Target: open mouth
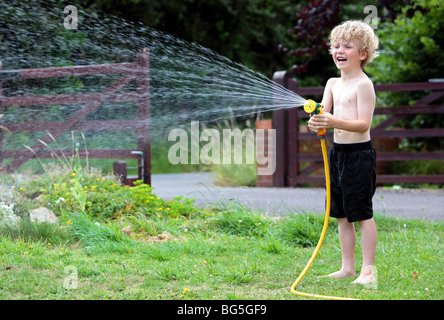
342	59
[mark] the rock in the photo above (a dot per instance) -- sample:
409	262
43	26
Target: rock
7	216
42	214
127	231
165	236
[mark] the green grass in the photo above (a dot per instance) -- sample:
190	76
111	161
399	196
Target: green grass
220	252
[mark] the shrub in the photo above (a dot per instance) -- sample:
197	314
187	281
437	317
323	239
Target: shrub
236	219
103	197
301	230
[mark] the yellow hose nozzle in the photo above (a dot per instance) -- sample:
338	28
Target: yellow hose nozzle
313	107
310	106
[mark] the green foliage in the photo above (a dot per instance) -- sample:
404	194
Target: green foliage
113	207
48	44
103	198
38	232
214	253
237	219
411	47
412	50
99	237
301	230
235	175
245	31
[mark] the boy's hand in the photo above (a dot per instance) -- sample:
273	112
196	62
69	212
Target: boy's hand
321	121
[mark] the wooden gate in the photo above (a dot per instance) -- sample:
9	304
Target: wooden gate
291	141
138	71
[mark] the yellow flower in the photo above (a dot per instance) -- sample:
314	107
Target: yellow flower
73	174
172	294
68	222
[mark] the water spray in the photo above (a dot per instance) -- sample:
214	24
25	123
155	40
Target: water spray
311	106
188	82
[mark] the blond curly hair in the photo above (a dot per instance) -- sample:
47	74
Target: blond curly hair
361	34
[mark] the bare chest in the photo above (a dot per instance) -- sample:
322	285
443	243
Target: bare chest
345	101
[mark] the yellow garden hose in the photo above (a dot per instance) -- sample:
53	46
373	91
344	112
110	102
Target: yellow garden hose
309	108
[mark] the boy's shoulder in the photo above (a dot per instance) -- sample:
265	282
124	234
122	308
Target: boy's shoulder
362	81
332	81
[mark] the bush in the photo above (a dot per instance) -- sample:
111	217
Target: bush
102	197
412	51
301	230
236	219
95	210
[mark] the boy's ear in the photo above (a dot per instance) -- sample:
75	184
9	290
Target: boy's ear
363	55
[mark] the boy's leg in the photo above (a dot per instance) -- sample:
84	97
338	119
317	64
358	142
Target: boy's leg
347	239
368	239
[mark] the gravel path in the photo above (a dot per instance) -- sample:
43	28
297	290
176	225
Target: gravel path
404	203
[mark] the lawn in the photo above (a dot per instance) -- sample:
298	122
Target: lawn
115	242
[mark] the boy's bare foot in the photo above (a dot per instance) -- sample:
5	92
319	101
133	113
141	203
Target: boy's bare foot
341	274
367	276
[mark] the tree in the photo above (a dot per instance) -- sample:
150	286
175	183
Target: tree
310	34
246	31
411	45
412	50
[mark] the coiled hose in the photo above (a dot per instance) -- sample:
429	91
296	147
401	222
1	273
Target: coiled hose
324	231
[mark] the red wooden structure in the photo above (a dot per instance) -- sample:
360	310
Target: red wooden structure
290	139
138	71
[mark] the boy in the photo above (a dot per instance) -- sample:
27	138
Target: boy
352	159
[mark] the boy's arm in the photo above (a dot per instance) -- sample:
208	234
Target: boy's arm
365	107
327	98
327	103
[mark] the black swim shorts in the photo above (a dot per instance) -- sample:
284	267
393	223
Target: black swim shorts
352	180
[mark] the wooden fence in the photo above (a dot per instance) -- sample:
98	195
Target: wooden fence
293	145
138	71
